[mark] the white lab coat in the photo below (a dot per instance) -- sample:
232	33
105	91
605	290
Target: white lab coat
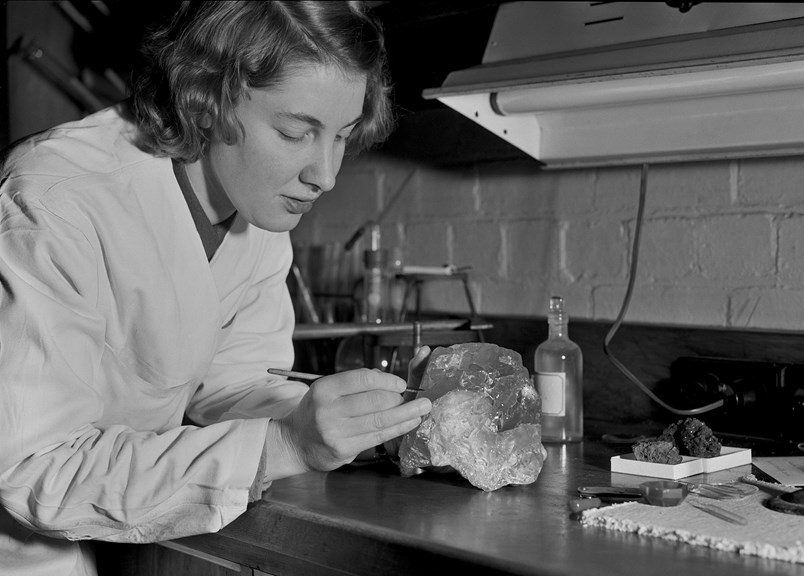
112	324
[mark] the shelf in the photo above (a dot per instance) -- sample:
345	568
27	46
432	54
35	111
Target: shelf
344	329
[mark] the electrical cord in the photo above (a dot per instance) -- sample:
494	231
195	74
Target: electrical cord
624	308
360	231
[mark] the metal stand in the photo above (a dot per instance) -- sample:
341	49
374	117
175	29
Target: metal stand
413	287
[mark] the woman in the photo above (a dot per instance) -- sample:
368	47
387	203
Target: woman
143	257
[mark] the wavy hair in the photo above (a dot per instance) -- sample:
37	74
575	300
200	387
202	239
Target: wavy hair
202	63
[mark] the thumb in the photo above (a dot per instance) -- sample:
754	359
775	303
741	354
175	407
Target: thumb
417	367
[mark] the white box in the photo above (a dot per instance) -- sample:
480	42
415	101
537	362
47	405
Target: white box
730	457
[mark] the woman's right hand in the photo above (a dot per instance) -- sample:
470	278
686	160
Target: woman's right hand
346	413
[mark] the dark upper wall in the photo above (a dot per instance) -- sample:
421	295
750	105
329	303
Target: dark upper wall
47	49
425	41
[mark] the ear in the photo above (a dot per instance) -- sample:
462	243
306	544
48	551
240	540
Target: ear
206	121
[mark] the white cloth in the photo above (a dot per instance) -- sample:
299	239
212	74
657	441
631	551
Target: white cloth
767	533
112	323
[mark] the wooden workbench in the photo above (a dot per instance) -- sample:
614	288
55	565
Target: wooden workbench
369	521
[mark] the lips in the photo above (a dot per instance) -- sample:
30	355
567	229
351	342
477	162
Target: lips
297	206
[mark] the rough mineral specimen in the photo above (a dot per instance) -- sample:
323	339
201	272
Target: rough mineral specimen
485	421
658	451
693	438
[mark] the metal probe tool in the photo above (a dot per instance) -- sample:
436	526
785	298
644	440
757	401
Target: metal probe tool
307	377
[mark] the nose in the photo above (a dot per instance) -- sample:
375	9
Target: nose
322	169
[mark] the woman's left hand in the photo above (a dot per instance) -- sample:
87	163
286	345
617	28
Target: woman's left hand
416	368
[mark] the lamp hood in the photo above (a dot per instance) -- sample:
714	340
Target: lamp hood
590	84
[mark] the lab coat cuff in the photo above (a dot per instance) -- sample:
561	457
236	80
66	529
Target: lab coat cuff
260	484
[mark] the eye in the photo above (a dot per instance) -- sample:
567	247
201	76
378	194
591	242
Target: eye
292	137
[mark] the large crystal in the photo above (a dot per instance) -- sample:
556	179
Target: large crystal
485	421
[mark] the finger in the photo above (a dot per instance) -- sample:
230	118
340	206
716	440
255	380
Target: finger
364	403
388	434
417	366
345	449
385	419
416	369
360	380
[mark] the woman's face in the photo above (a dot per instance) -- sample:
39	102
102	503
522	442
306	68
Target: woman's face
295	136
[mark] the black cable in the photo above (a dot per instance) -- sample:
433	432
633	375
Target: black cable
626	301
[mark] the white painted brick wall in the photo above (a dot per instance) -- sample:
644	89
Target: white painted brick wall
722	242
737	249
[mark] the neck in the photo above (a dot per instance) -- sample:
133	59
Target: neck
210	193
558	329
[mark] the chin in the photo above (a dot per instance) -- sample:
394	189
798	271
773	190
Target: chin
272	223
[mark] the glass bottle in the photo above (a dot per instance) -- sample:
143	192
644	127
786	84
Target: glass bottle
376	281
558	377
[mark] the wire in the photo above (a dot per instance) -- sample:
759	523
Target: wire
623	309
359	232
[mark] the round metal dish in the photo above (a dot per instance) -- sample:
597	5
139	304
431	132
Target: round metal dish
790	503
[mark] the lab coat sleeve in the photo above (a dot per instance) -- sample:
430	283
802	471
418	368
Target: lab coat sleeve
60	474
258	337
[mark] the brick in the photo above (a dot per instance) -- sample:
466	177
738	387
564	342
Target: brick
378	164
351	202
479	245
449	296
427	245
523	191
533	249
767	308
667	249
777	182
326	268
495	296
331	233
445	193
664	304
616	190
518	297
401	179
697	187
594	249
392	237
737	248
722	244
791	251
577	299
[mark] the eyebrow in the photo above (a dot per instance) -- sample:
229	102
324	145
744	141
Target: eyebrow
312	120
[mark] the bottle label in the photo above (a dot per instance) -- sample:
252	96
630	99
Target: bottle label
551	387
